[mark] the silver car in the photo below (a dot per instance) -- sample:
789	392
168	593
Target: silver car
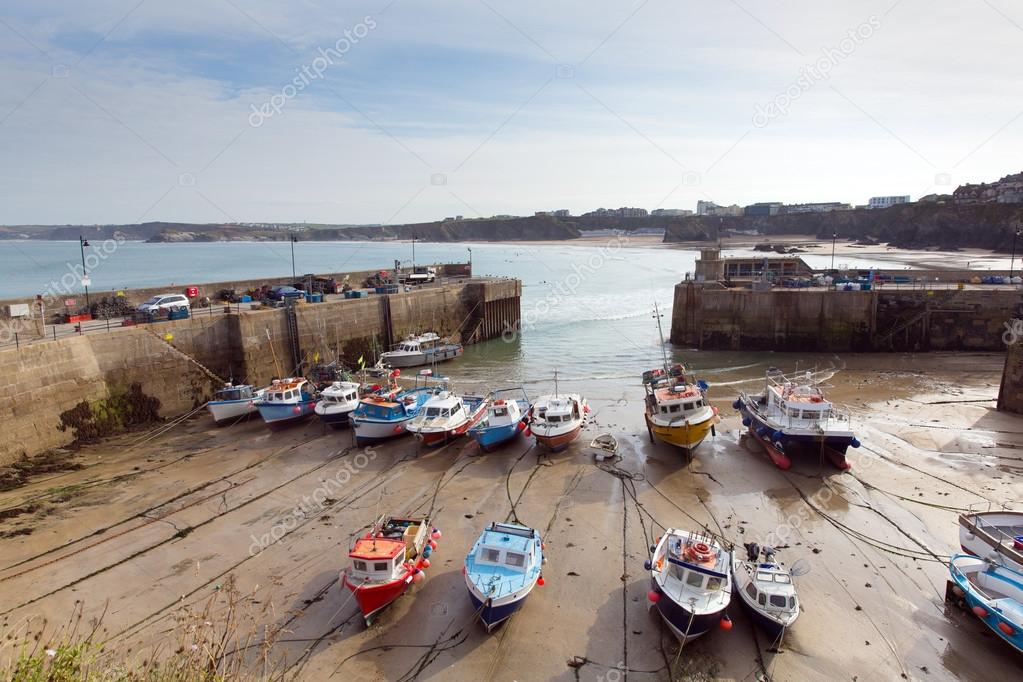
164	302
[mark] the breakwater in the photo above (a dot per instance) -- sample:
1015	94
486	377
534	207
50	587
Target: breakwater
180	362
713	317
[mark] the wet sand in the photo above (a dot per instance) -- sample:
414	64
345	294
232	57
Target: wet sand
148	530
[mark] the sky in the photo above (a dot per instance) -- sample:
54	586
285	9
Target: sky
393	111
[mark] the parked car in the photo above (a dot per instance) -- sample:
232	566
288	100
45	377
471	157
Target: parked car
283	293
164	302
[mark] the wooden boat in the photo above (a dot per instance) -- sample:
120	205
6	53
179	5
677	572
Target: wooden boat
501	569
422	349
605	445
691	587
993	592
504	421
233	403
389	558
766	589
286	401
446	416
792	416
994	534
337	402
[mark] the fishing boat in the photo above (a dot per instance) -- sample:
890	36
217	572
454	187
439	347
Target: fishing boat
337	402
234	402
504	420
422	349
993	592
690	575
384	413
501	570
387	559
993	534
446	416
286	401
792	415
557	420
766	589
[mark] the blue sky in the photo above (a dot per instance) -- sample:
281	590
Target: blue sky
124	111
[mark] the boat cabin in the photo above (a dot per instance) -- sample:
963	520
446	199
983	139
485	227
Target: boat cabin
340	392
693	564
502	412
506	549
285	391
231	392
443	406
416	344
559	410
677	400
380	556
770	588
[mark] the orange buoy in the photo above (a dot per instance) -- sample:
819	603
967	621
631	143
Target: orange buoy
540	581
980	611
426	563
1006	628
653	596
433	544
726	623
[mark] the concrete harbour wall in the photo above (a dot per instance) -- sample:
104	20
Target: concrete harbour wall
1010	395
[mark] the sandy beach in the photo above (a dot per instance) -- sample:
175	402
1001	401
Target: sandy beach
160	533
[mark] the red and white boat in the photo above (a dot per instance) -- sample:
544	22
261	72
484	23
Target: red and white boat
557	420
392	555
446	416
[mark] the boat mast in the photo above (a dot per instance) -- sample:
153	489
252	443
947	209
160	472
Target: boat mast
660	332
555	383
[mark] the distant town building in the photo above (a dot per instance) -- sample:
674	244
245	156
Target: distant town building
1008	190
885	202
503	216
670	212
560	213
764	208
817	208
617	213
709	208
704	207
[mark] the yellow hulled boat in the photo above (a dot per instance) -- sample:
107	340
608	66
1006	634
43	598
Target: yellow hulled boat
677	410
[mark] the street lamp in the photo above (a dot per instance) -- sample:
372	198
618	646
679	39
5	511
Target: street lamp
1012	261
293	240
82	243
470	260
834	238
413	250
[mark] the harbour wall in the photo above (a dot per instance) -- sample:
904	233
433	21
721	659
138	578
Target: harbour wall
712	317
1010	395
181	362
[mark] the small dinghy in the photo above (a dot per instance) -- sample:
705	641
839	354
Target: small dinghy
605	445
993	535
765	588
501	570
691	585
391	556
993	592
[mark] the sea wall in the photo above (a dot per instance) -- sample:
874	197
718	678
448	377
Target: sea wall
714	317
1010	395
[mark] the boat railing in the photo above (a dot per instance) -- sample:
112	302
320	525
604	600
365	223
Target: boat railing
991	506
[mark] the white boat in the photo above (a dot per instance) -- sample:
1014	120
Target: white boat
995	535
446	416
234	402
557	420
422	349
766	589
691	586
337	402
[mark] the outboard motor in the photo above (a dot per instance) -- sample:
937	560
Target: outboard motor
769	553
752	551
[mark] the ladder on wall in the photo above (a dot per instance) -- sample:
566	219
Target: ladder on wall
291	317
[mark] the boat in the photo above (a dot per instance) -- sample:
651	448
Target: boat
792	415
501	570
766	589
557	420
446	416
233	403
337	402
676	411
422	349
993	592
384	413
387	559
286	401
993	534
690	575
606	445
505	419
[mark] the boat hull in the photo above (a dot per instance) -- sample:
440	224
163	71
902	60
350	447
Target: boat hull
994	617
375	431
373	598
438	438
404	360
337	420
558	442
492	613
682	621
782	449
229	411
686	437
992	535
280	415
491	437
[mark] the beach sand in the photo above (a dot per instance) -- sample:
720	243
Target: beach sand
147	531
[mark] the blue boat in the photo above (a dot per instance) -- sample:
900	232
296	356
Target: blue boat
993	592
504	421
382	416
286	401
501	570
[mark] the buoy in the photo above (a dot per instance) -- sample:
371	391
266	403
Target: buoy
737	404
654	596
958	591
726	623
1006	628
427	551
296	409
746	421
543	545
647	565
463	570
435	534
855	442
418	577
522	426
527	433
540	581
426	563
777	435
980	611
433	544
397	429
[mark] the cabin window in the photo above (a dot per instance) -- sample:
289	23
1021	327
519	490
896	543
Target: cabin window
445	413
515	559
779	601
432	411
694	579
810	414
456	408
674	408
713	584
500	412
698	403
492	555
664	409
751	590
794	413
792	602
762	599
359	565
380	566
554	419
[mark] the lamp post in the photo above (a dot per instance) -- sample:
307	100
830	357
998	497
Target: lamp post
413	251
834	238
470	260
293	240
1012	261
82	243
